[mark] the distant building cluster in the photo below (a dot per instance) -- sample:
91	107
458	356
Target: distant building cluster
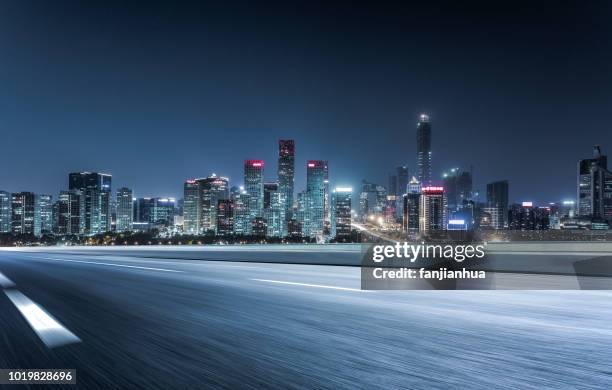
211	206
422	205
268	209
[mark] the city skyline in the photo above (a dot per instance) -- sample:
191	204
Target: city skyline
271	175
167	92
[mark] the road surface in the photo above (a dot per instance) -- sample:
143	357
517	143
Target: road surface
159	323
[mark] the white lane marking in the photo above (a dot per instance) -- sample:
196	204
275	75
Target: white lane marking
111	264
310	285
50	331
5	282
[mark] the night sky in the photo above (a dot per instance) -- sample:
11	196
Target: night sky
157	93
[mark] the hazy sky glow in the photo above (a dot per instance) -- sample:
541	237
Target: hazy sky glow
159	92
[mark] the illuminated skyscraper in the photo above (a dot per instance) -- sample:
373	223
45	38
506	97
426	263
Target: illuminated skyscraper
274	210
595	187
212	190
372	200
497	203
242	221
125	210
402	179
432	209
526	216
150	212
269	189
5	212
286	173
253	185
410	209
341	213
316	176
23	214
192	208
303	201
44	213
225	217
96	188
70	210
423	139
162	211
457	187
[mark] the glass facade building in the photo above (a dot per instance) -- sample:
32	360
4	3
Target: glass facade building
254	186
212	190
225	217
594	189
96	189
432	209
316	182
286	174
191	207
70	208
341	213
497	203
44	213
423	142
125	210
410	209
24	214
5	212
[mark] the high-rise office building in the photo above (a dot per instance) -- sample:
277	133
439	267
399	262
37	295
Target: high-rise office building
316	176
253	185
259	227
403	177
402	180
269	190
497	203
341	213
212	190
410	209
70	210
423	141
274	210
154	212
326	200
44	210
142	211
457	187
294	228
225	217
125	210
191	207
5	212
286	173
242	219
526	216
432	209
393	187
303	203
594	190
372	200
96	189
24	214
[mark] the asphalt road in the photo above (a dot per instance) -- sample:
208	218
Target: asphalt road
189	324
